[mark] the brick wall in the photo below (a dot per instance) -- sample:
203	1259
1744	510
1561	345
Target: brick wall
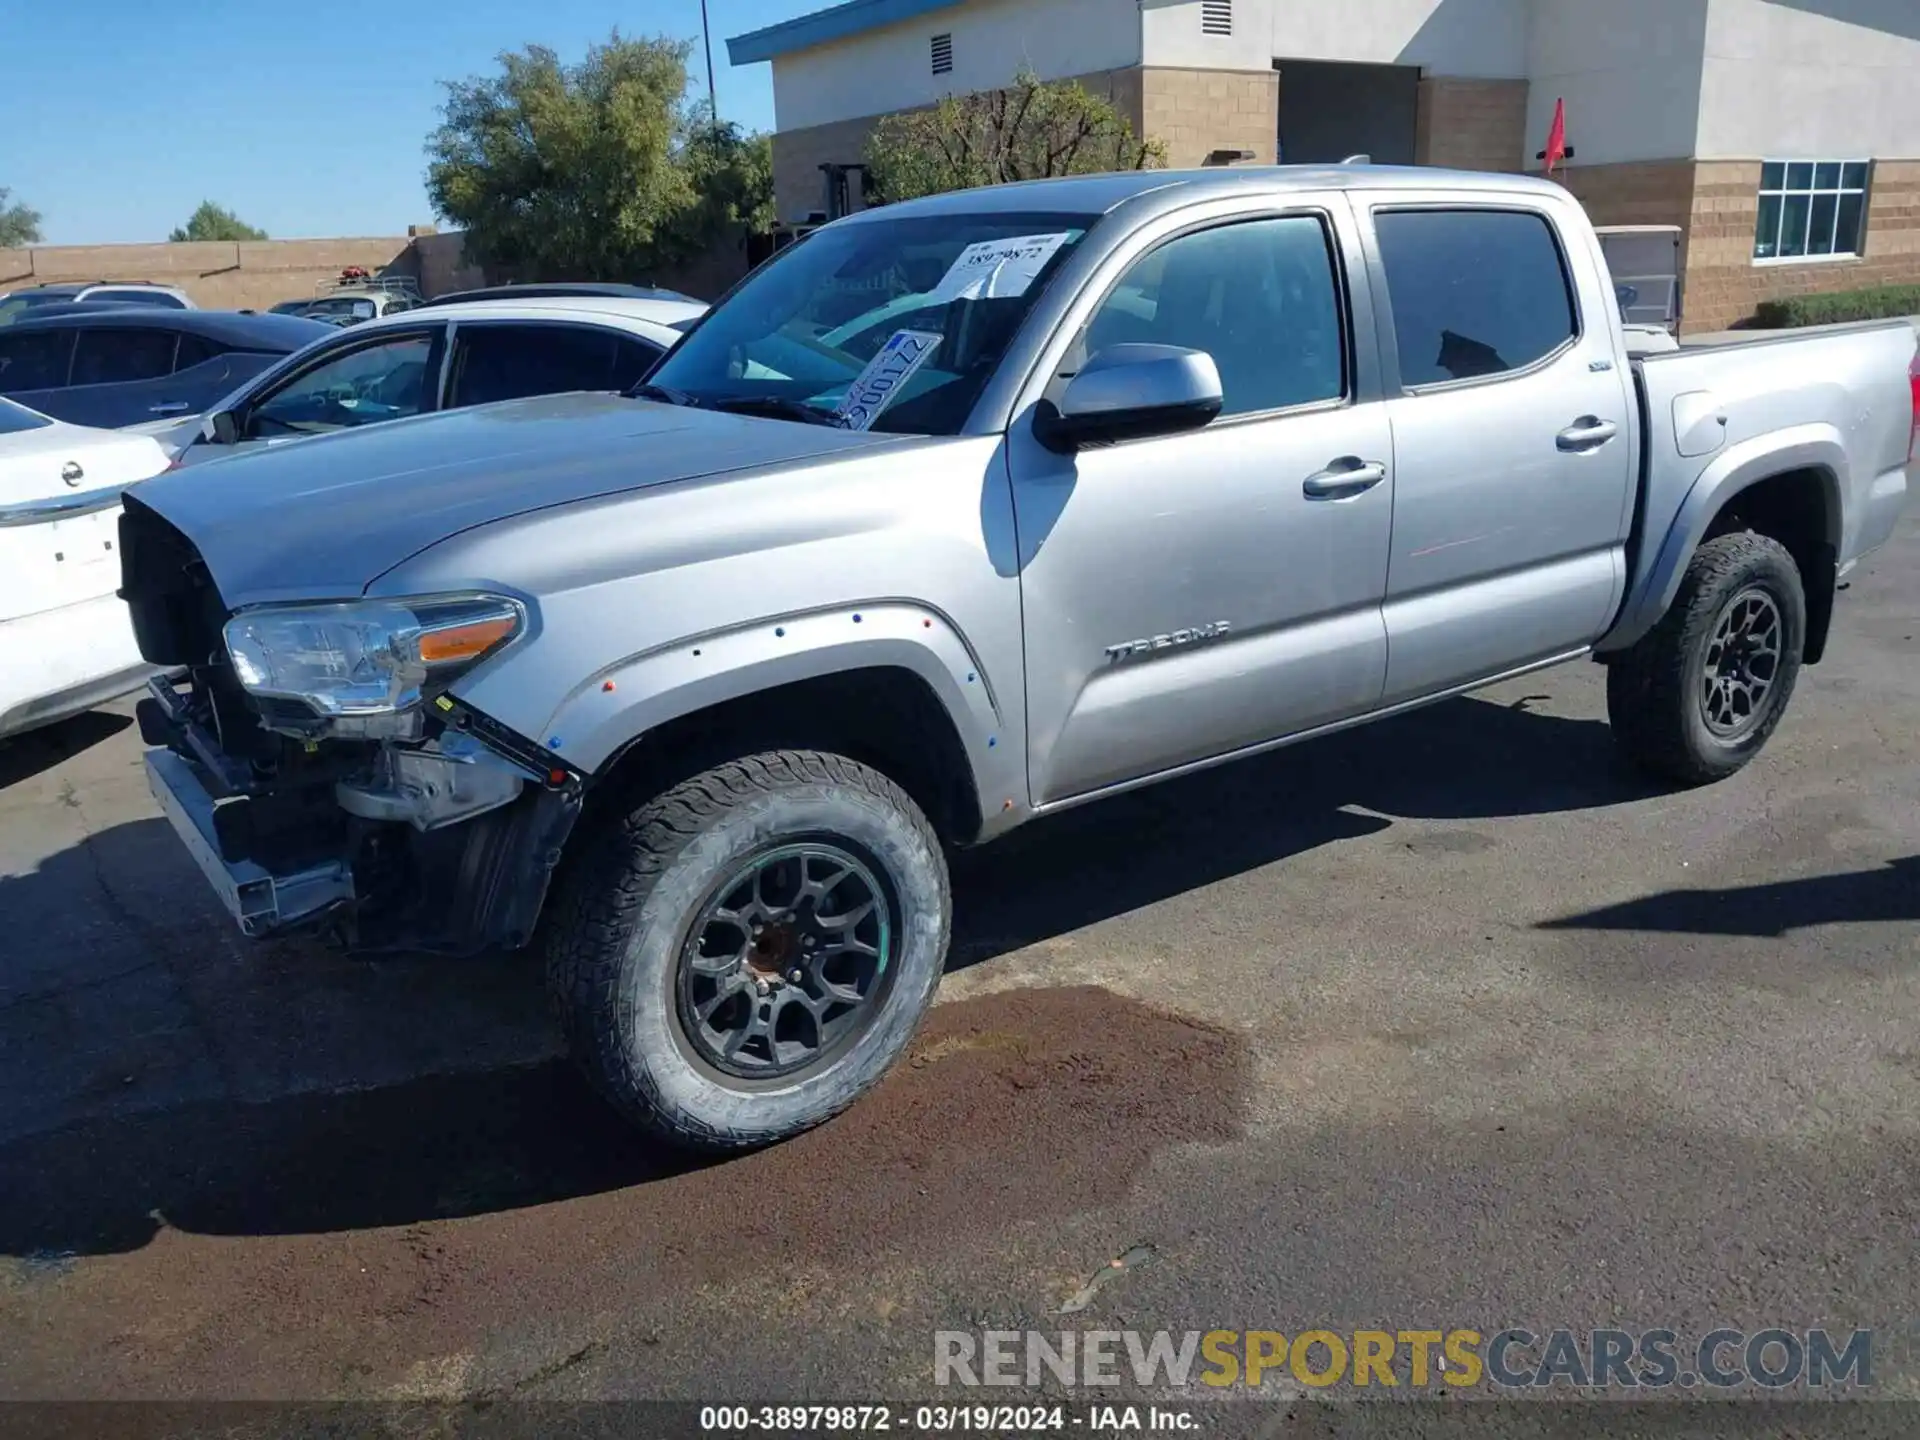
1717	204
1723	283
441	265
1194	112
218	275
1471	124
798	186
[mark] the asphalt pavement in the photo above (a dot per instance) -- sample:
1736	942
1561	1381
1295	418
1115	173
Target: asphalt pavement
1451	1022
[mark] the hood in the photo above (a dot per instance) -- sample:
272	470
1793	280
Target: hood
323	518
173	435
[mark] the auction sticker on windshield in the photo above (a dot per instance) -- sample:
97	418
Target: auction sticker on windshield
997	269
880	382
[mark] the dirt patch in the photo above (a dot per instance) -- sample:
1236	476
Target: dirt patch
322	1244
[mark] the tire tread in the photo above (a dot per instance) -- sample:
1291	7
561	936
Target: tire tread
1647	699
599	905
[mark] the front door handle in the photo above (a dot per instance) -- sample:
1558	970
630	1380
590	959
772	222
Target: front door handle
172	407
1344	479
1589	432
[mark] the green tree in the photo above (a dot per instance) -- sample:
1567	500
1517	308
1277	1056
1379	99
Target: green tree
215	222
19	223
730	179
1031	130
596	171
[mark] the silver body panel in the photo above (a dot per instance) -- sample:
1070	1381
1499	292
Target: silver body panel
691	557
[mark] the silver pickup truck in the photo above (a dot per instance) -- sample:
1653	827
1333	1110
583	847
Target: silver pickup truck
956	514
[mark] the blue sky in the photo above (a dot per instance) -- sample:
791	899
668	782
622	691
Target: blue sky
308	120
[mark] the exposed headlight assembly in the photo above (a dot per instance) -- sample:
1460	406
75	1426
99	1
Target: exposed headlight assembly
353	664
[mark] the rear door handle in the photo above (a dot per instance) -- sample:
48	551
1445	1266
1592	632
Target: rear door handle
172	407
1344	479
1589	432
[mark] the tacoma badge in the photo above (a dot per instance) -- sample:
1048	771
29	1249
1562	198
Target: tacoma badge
1132	648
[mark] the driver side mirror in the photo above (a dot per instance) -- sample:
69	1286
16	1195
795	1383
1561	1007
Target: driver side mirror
1128	392
221	428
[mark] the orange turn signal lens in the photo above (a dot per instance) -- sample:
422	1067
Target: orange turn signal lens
464	642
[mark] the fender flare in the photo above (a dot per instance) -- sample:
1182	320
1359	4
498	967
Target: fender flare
1819	449
605	713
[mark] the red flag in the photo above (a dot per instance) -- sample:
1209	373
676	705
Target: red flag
1557	137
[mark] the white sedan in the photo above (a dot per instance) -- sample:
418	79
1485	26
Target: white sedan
66	639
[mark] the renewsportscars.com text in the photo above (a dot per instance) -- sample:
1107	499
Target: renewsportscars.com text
1453	1359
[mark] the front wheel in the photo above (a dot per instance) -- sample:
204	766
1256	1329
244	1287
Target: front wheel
740	958
1698	696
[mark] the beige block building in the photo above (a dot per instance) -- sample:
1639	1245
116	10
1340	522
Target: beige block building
1782	136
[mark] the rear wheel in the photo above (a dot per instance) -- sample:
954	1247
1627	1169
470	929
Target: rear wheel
740	958
1700	694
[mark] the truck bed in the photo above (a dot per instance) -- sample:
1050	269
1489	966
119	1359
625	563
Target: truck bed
1717	418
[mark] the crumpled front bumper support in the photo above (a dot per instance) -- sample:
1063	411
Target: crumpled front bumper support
258	900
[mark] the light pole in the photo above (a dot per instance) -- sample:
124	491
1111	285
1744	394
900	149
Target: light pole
706	39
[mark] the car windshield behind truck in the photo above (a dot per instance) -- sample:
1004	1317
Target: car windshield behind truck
941	295
12	306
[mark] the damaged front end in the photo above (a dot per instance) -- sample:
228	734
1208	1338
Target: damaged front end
312	762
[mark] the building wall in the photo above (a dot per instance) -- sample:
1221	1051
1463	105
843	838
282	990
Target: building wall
1484	39
1472	124
1629	71
891	68
1170	35
219	275
1716	204
1194	112
1476	38
799	187
1811	79
1723	283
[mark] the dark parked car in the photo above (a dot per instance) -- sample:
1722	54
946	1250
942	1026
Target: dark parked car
100	365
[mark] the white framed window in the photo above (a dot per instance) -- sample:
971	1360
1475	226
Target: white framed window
1812	209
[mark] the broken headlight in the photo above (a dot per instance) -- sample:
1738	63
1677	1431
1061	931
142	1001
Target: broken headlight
368	658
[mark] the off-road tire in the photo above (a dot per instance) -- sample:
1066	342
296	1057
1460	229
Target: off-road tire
625	908
1654	688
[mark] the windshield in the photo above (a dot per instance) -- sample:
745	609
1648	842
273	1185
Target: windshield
15	418
943	295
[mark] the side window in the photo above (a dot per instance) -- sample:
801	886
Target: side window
370	383
1258	296
632	361
1474	292
118	357
34	360
195	350
508	362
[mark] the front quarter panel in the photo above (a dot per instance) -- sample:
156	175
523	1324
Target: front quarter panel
654	605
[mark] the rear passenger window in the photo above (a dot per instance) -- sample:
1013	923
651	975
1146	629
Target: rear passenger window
1258	296
510	362
1474	292
34	360
194	350
115	357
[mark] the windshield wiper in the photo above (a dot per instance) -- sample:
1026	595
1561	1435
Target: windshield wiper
775	407
647	391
